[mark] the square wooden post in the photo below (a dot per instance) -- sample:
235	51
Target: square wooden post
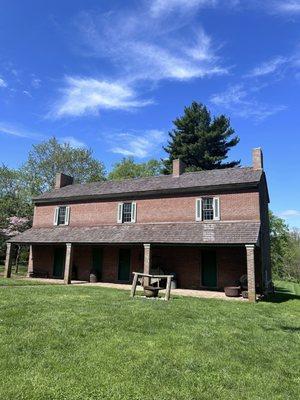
8	260
250	248
168	288
30	262
147	262
68	263
134	284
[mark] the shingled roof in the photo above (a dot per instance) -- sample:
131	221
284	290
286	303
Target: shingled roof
163	184
173	233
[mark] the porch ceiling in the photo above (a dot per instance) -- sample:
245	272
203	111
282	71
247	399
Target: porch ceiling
170	233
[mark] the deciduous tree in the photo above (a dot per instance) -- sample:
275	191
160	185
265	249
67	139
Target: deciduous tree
285	250
50	157
128	168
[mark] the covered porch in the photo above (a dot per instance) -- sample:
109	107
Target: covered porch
207	268
200	255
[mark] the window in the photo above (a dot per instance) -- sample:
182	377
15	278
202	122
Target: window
62	215
208	209
126	212
61	218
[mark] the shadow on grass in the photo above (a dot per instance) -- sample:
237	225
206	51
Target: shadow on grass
290	329
281	295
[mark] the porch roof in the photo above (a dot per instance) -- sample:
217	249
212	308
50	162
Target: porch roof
164	233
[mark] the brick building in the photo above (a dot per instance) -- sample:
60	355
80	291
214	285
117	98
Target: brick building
208	228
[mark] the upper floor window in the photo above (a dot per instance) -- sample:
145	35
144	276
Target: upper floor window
208	209
62	215
126	212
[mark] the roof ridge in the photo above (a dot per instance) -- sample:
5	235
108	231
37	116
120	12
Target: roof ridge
158	183
159	176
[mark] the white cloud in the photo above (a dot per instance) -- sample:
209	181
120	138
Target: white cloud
27	93
239	102
3	84
288	7
36	83
153	62
14	130
290	213
269	67
73	142
138	145
140	50
150	49
159	7
83	96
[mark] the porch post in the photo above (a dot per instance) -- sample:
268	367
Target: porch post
251	272
8	260
147	262
68	263
30	262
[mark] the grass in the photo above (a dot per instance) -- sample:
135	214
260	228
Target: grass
18	279
85	343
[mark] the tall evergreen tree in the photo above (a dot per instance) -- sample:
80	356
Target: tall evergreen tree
200	141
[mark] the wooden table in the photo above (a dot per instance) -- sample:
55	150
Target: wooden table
136	275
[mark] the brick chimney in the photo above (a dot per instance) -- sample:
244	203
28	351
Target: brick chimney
178	167
62	180
257	158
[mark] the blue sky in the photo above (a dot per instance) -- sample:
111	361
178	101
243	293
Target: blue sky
112	75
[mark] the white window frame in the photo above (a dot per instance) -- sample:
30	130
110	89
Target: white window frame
67	216
216	209
120	213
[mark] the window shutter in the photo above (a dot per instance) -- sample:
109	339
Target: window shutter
198	209
120	212
216	208
55	220
133	212
67	217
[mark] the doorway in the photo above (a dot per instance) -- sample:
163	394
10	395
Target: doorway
97	259
209	269
124	265
59	262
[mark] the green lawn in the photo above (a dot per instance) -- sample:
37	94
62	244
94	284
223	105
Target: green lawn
18	279
84	343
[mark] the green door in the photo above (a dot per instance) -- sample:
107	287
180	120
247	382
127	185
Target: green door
97	256
124	265
209	269
59	263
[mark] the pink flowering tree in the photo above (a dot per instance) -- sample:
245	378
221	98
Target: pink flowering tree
16	225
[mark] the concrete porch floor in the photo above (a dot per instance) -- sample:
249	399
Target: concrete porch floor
206	294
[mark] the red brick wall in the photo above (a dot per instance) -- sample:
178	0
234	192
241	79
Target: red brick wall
42	259
184	261
82	261
233	206
231	264
265	236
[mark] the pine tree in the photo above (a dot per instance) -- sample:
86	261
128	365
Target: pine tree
201	142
